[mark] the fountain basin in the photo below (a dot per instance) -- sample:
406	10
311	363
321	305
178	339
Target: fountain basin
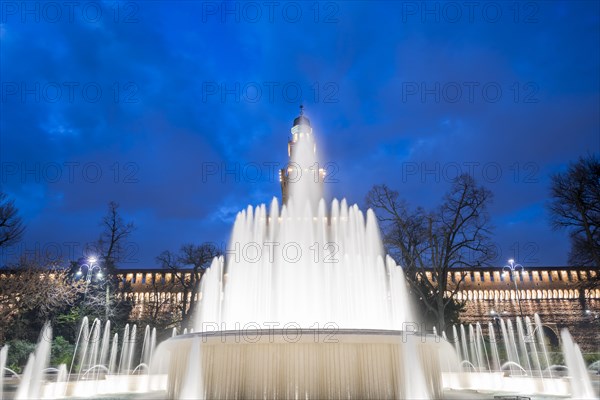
499	383
303	363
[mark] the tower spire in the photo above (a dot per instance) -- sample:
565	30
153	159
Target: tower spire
301	120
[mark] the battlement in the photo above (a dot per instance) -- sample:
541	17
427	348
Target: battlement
483	283
475	284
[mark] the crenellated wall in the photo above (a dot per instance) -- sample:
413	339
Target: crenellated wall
475	279
533	283
482	284
476	285
528	284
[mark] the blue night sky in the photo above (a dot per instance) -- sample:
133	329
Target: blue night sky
146	103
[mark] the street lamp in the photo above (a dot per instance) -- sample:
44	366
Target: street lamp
89	270
90	266
512	267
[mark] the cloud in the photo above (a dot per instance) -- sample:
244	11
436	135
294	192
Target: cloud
379	84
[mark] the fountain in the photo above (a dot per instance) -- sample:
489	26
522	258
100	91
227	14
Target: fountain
31	380
523	370
297	276
307	304
581	385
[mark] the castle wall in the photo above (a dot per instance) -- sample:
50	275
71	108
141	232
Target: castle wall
557	294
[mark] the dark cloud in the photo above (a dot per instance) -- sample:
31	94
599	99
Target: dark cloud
167	116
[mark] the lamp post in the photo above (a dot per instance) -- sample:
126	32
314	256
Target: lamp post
90	266
512	267
89	270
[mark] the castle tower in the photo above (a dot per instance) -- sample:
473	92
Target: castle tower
301	168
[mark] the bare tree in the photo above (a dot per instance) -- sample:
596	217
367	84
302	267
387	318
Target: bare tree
11	225
31	287
575	206
198	257
114	236
107	298
437	243
170	261
188	268
162	309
